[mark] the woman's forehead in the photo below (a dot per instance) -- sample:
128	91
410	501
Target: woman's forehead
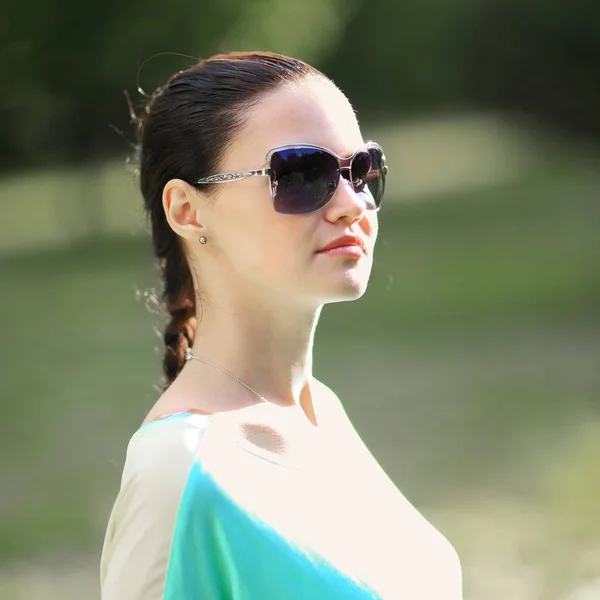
312	111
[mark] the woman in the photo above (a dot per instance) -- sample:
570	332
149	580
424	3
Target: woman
246	479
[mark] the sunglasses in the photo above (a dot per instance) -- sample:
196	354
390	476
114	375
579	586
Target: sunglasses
304	177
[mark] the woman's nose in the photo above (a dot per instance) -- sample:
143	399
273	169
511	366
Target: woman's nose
346	203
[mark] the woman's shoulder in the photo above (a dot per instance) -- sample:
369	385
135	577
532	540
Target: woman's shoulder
163	450
176	432
159	462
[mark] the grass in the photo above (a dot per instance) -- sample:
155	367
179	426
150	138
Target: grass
461	374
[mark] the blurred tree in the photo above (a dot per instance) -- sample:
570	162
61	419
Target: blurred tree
400	57
540	57
64	65
310	29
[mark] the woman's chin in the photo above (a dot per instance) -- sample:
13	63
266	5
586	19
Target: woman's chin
351	288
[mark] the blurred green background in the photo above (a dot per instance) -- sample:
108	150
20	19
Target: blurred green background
472	365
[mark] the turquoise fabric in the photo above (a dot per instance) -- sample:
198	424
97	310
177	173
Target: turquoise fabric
197	518
220	552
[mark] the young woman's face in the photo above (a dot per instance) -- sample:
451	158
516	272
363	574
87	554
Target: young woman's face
280	252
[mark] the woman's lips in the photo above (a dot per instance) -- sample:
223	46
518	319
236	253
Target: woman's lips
350	250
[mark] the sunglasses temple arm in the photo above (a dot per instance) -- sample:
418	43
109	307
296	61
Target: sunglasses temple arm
233	176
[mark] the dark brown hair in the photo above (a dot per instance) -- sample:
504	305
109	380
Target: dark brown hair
187	126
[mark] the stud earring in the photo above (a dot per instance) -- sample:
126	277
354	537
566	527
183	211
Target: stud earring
203	240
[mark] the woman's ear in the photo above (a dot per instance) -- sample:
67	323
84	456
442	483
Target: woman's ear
183	209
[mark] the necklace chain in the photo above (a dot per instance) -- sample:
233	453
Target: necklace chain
189	355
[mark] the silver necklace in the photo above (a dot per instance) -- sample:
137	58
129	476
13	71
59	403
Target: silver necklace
189	355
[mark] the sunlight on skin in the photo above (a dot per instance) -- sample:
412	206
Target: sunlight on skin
334	524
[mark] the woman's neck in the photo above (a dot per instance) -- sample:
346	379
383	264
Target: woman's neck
271	351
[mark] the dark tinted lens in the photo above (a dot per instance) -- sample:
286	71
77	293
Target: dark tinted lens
361	170
305	179
376	175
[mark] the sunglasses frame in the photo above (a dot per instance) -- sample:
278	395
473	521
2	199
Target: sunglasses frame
345	164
